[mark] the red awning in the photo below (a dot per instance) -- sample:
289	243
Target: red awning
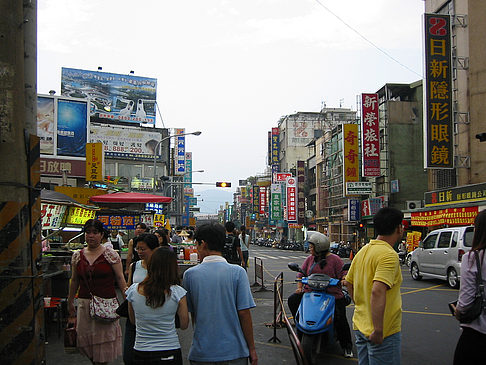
130	198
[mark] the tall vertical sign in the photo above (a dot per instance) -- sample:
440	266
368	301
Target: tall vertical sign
269	160
256	201
438	92
300	192
291	199
188	175
350	153
275	150
370	138
276	205
262	201
180	152
188	191
94	162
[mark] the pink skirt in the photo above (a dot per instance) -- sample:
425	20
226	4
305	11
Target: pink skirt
99	341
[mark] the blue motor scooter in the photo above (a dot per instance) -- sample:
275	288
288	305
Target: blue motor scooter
315	316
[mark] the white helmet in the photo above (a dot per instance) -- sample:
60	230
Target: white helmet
320	241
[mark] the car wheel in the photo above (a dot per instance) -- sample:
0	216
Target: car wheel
414	271
408	260
452	278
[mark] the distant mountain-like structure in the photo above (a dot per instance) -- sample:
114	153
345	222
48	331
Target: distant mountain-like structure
209	201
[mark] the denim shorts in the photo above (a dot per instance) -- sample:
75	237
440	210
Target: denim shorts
386	353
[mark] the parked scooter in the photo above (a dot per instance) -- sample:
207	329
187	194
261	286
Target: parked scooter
315	316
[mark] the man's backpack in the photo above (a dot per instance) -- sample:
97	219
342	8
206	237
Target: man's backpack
229	250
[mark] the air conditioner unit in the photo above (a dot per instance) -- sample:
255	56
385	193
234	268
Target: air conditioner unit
413	204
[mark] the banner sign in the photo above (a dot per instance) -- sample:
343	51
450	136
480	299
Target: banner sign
94	162
359	188
142	183
157	208
119	221
188	175
281	177
275	147
354	210
276	205
350	153
413	239
78	215
438	92
72	118
371	206
461	194
52	215
291	199
124	142
81	195
452	216
180	152
124	98
269	149
370	137
256	200
55	167
45	124
159	220
262	201
300	192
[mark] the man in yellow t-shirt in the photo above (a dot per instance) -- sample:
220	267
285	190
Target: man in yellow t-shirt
373	281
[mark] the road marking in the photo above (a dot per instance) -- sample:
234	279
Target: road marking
423	289
428	313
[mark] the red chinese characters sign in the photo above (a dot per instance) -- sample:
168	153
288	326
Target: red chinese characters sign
291	199
262	201
370	138
451	216
350	151
438	76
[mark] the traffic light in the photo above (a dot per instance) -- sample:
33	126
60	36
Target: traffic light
223	184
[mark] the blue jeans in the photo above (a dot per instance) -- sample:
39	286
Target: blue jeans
386	353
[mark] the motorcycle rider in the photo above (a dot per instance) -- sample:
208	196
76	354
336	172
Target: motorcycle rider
322	261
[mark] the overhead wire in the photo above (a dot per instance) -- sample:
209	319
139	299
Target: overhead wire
366	39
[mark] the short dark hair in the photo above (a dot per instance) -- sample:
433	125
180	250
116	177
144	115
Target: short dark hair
229	226
94	223
150	240
141	225
386	220
213	234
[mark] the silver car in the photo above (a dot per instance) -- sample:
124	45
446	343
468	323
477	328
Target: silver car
439	255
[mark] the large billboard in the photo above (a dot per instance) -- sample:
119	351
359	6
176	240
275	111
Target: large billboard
438	92
71	127
123	142
124	98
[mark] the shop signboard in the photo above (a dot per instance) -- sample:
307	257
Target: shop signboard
157	208
180	152
56	166
52	215
119	221
300	192
354	210
116	97
350	154
159	220
451	216
370	137
79	215
142	183
359	188
291	199
94	162
275	147
461	194
126	142
438	88
276	205
81	195
262	201
281	177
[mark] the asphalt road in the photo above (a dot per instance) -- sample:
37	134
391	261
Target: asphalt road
429	333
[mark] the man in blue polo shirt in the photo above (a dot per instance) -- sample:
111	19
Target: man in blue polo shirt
219	300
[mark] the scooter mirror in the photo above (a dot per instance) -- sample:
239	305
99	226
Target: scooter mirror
293	266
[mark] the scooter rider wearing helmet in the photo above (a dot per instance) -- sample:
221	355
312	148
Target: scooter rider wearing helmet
321	261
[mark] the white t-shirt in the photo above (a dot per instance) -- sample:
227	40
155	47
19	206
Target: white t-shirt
244	245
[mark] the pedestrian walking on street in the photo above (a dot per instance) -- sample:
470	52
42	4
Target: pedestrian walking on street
321	261
231	249
470	348
145	245
132	254
219	300
373	282
94	271
152	305
245	245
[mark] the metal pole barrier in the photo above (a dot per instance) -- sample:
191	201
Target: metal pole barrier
259	274
277	307
255	266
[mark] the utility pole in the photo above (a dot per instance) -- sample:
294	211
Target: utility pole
21	303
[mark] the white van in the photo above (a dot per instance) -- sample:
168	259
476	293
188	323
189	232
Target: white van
439	255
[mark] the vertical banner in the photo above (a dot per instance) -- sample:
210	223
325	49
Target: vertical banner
438	86
269	160
350	154
300	192
180	152
275	149
354	210
291	199
256	201
276	205
45	124
188	175
72	118
94	162
370	138
262	201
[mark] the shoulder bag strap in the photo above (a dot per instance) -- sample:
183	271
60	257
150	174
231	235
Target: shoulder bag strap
479	280
311	268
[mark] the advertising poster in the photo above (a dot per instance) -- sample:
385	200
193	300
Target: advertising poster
350	153
291	199
52	215
180	152
45	124
78	215
370	138
123	142
438	92
72	119
121	98
94	162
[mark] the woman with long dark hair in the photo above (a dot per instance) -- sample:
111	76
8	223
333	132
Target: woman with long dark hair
153	304
245	245
94	271
470	348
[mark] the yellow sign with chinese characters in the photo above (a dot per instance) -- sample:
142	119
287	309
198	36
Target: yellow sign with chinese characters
159	220
78	215
94	161
81	195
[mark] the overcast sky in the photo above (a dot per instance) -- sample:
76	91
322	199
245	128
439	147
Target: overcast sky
232	68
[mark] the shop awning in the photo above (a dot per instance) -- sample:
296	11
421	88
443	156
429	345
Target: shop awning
130	198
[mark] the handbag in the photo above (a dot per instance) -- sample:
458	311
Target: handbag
70	338
102	309
475	309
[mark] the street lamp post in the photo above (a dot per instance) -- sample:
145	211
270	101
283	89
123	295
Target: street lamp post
197	133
